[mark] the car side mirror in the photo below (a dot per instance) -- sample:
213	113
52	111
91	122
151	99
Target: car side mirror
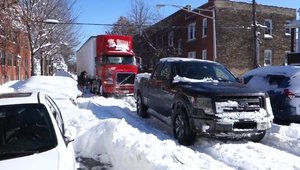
70	134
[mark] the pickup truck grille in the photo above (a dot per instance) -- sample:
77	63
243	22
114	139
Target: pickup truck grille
239	103
125	78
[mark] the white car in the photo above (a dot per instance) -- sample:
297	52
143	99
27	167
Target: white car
32	134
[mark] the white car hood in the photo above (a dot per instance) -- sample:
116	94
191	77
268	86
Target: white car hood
48	160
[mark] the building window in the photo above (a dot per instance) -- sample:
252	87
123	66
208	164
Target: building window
204	27
15	60
204	54
171	39
268	29
191	31
287	30
267	57
162	41
192	54
9	60
179	47
14	37
2	57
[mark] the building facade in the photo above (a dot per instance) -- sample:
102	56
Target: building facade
222	31
14	48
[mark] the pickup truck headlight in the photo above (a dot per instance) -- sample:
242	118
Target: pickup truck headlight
205	104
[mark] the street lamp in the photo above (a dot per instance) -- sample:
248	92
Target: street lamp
213	18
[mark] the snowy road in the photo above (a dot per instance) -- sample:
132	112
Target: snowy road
151	138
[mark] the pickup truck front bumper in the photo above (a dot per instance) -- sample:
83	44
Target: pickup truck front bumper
222	125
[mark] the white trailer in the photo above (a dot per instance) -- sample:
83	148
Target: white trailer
85	58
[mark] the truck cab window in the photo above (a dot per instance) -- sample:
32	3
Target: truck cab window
166	72
156	71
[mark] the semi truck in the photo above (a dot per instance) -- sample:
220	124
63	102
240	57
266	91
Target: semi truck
110	63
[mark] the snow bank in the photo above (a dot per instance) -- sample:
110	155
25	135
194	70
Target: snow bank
127	148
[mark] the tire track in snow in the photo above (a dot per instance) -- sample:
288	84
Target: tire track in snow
248	155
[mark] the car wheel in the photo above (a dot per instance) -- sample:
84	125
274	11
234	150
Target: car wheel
258	137
181	128
141	108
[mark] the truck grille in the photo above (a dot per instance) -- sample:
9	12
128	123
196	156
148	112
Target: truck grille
239	103
125	78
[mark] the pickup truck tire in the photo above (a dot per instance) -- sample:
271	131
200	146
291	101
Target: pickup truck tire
141	108
181	128
258	137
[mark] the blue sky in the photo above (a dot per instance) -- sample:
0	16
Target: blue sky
108	11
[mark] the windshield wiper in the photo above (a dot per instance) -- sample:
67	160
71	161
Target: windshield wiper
14	154
225	80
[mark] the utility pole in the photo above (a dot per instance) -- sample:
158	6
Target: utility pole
255	41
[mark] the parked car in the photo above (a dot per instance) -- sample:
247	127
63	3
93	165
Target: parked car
32	133
200	97
283	86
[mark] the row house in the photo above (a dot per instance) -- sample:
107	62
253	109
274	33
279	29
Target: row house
222	31
14	48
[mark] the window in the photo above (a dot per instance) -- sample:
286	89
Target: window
171	39
192	54
204	27
179	47
268	57
191	31
166	72
15	61
14	36
2	57
156	71
287	30
56	113
204	54
268	30
9	60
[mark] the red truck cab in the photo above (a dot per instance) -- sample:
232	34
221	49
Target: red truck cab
116	65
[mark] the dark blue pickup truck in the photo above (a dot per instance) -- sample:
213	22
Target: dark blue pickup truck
202	97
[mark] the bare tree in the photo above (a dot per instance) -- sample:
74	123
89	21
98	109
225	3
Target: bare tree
122	27
47	40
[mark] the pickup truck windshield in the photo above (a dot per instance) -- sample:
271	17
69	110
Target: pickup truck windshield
119	60
25	129
205	70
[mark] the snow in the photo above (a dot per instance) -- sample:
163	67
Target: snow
110	132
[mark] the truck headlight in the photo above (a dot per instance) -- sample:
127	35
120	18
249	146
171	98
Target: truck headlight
205	104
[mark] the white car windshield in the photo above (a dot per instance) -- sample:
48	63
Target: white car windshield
25	129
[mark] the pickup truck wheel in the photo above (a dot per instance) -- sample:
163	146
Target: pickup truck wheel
181	128
141	108
258	137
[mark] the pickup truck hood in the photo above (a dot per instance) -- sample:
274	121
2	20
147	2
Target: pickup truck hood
217	88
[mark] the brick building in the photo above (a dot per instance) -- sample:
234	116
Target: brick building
14	48
229	41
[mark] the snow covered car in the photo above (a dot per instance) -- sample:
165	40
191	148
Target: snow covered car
283	86
200	97
32	133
